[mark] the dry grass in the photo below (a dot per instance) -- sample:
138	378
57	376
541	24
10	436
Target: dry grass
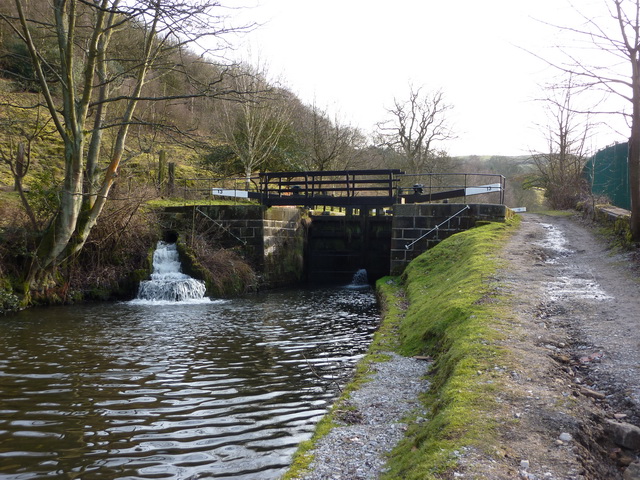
225	271
117	250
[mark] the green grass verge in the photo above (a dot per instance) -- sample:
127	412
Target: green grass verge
445	305
178	202
454	313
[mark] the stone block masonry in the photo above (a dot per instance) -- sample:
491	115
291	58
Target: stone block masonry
286	248
412	221
283	246
272	239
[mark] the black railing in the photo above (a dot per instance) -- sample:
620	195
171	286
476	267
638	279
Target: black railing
349	188
448	186
329	187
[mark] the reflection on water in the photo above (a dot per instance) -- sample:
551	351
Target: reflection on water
219	390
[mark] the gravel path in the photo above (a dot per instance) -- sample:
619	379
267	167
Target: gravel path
575	331
574	339
587	304
356	450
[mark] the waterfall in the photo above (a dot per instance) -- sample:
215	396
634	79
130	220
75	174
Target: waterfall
168	283
360	279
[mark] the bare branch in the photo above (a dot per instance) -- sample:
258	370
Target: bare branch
613	70
415	126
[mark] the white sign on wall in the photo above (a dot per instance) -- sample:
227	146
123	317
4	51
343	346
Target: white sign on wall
230	193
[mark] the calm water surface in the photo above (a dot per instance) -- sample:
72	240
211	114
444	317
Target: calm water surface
220	390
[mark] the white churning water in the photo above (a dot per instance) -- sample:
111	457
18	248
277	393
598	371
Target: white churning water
168	284
360	278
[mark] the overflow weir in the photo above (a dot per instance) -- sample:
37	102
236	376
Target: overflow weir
322	227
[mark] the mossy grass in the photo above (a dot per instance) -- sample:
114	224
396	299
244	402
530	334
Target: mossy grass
393	302
446	305
454	313
180	202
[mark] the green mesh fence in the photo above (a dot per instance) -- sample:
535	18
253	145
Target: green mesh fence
608	174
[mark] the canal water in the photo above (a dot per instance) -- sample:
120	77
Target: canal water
219	389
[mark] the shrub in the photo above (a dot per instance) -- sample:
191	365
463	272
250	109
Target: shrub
225	272
116	249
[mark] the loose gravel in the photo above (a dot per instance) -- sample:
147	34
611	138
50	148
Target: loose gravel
371	424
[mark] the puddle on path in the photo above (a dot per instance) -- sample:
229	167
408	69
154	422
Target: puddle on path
575	288
555	242
577	284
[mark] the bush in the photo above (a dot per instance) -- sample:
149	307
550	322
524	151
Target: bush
117	248
17	240
8	302
224	271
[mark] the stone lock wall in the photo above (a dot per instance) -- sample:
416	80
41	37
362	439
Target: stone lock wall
283	246
272	239
411	221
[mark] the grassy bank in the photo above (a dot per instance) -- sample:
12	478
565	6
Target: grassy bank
446	305
453	312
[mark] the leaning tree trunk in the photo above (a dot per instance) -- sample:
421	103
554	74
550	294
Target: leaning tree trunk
634	149
634	178
51	250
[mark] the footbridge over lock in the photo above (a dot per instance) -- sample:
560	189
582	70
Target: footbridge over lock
364	189
325	226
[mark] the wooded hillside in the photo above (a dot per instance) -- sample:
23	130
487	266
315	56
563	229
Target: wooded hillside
96	99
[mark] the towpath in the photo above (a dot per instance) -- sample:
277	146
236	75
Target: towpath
576	320
575	335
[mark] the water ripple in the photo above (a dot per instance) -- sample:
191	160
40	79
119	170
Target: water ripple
218	390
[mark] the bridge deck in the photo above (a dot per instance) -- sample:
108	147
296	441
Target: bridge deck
330	188
366	188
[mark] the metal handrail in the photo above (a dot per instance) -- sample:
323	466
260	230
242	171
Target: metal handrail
393	184
409	245
244	242
431	186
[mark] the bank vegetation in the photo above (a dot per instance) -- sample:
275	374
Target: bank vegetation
107	106
446	306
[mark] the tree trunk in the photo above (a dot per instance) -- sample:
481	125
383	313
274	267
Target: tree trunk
634	149
172	178
247	178
634	177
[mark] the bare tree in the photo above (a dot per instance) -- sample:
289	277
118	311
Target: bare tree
416	127
614	41
18	158
254	124
16	152
559	169
100	78
328	142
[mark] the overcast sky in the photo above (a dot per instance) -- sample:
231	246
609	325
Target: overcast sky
354	56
